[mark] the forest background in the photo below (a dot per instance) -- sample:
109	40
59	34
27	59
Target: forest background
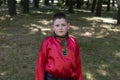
25	23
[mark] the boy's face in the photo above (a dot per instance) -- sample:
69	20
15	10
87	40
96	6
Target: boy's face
60	27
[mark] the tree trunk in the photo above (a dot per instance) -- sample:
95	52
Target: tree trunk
36	3
93	6
25	6
70	9
67	2
52	1
99	8
12	7
108	5
113	3
118	16
1	2
78	4
88	4
46	2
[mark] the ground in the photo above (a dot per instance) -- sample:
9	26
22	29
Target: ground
21	36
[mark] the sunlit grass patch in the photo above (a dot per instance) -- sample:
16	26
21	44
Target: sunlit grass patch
21	36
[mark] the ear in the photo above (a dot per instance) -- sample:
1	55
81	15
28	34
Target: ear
68	25
52	28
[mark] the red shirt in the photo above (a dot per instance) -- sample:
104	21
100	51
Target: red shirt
51	59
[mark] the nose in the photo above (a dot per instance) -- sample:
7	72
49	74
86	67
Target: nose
61	27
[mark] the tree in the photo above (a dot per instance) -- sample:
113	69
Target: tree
67	2
113	3
88	3
52	1
108	5
93	6
118	15
70	7
25	6
78	4
36	3
1	2
46	2
11	7
99	8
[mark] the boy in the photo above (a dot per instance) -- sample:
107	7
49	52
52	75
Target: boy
59	55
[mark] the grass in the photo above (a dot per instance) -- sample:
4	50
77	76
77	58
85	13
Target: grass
21	36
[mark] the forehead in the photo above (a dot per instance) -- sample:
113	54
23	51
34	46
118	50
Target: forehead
59	20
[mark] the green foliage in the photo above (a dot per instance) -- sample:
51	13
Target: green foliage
60	3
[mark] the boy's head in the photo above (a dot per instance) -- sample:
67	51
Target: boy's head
59	15
60	24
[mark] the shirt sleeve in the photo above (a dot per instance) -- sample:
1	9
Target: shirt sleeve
79	64
40	65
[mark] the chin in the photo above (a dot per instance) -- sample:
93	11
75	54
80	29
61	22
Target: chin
61	35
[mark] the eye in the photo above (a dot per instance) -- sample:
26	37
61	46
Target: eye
63	24
57	25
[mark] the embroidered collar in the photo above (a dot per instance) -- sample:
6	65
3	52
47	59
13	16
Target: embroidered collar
63	43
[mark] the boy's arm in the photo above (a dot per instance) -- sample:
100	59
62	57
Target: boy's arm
79	64
40	65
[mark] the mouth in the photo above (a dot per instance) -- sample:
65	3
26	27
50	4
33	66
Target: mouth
61	31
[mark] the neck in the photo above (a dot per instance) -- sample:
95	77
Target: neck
56	36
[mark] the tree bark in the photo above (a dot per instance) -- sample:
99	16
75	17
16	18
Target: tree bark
113	3
36	3
108	5
93	6
46	2
25	6
99	8
52	1
78	4
88	4
1	2
118	16
67	2
70	9
12	7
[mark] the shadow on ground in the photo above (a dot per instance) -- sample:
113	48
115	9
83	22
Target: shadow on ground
21	36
